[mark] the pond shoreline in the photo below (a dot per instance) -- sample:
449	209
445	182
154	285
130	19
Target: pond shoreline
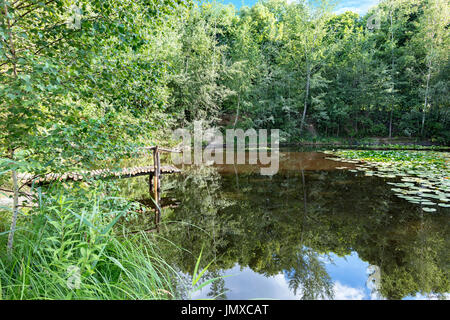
378	144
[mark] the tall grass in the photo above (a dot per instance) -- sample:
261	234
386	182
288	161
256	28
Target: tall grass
67	249
126	270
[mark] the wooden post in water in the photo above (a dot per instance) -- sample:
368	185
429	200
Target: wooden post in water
158	172
150	183
157	185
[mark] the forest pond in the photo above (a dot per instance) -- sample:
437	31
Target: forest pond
309	232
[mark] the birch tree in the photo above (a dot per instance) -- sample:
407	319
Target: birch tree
306	31
434	38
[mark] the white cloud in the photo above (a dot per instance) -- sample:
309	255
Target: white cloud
345	9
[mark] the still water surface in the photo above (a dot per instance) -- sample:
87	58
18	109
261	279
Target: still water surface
308	232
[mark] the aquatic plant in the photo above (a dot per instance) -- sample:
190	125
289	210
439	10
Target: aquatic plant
420	177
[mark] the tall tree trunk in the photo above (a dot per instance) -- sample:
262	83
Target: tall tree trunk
390	124
392	77
237	112
308	80
15	208
304	205
426	99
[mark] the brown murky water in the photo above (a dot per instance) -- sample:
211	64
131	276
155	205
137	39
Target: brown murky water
288	161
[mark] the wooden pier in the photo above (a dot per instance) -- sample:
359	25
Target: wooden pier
154	173
102	174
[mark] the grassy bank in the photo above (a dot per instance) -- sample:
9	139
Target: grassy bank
67	248
395	143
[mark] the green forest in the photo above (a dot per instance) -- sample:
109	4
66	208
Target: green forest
84	84
154	64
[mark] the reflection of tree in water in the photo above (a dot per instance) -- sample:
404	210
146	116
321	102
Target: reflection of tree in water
423	266
309	277
217	291
198	224
201	223
275	225
235	231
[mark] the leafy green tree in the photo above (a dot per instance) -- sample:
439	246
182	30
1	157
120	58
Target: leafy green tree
433	36
307	30
53	67
197	89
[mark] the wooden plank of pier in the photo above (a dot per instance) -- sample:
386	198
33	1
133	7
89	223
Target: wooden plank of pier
161	149
103	173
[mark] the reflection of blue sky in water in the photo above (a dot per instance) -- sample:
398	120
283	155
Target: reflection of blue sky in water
349	275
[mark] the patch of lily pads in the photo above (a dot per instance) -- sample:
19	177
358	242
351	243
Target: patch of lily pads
421	177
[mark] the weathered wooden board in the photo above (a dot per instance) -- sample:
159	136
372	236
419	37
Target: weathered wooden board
101	173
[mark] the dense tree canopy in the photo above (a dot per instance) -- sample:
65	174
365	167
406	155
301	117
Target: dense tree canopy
298	65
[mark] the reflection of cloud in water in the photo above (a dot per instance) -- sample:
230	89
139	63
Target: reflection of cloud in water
374	282
343	292
246	284
445	296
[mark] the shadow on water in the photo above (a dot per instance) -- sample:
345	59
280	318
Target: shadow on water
288	230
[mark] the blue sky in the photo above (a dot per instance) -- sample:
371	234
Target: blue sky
358	6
